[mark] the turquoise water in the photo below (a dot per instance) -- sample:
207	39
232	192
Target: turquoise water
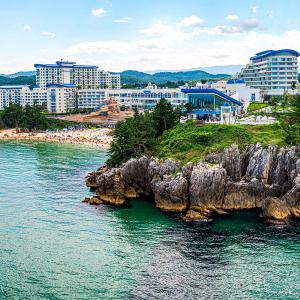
55	247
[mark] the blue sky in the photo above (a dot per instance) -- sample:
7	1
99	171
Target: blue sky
144	34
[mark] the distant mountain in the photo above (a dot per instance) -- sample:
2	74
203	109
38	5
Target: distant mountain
231	69
20	80
136	77
129	77
18	74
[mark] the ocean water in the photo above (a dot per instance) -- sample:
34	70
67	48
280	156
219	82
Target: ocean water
52	246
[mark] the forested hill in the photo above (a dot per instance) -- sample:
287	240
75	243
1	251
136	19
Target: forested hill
20	80
132	78
135	77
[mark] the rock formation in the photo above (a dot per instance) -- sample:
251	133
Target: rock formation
268	179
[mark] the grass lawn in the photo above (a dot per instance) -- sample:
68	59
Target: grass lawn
189	142
256	106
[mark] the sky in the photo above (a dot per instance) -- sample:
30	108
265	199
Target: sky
144	35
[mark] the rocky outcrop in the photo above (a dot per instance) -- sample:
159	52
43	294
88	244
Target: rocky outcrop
261	178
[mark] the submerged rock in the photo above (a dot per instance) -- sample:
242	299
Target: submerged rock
257	178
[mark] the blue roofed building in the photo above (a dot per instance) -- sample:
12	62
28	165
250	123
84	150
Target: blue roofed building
213	105
68	72
272	71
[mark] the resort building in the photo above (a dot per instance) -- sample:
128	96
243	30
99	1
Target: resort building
147	98
61	98
91	98
213	105
10	94
33	97
274	72
83	76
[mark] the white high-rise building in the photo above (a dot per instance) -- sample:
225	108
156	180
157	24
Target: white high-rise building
10	94
83	76
61	98
33	97
91	98
272	71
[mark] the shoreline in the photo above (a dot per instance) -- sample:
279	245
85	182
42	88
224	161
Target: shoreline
94	137
254	178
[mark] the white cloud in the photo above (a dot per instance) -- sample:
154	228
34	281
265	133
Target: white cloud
191	21
27	27
123	20
166	52
270	13
166	32
253	9
98	12
49	34
239	28
232	17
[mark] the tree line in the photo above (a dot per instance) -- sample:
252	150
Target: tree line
25	118
140	134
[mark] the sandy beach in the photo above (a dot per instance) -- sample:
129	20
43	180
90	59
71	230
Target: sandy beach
100	136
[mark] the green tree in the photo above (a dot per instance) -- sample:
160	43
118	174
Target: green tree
32	119
133	137
12	115
164	116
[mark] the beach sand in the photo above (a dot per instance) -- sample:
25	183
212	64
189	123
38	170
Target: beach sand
101	136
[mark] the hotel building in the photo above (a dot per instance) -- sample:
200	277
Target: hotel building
272	71
33	97
10	94
91	98
147	98
61	98
83	76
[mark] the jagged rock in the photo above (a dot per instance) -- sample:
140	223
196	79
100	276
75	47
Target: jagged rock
136	176
276	209
292	198
95	201
86	200
260	163
171	194
193	215
111	187
207	186
231	162
159	169
244	195
268	179
92	201
213	158
187	170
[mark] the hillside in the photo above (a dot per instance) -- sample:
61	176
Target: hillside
189	142
135	77
20	80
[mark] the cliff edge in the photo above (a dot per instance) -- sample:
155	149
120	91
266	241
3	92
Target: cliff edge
266	179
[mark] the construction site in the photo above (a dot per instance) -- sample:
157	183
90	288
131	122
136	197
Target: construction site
108	115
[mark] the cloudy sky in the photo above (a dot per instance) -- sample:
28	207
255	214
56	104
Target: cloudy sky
144	35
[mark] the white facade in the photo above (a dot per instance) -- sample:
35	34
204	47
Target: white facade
272	71
83	76
91	98
33	97
10	94
147	98
61	98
